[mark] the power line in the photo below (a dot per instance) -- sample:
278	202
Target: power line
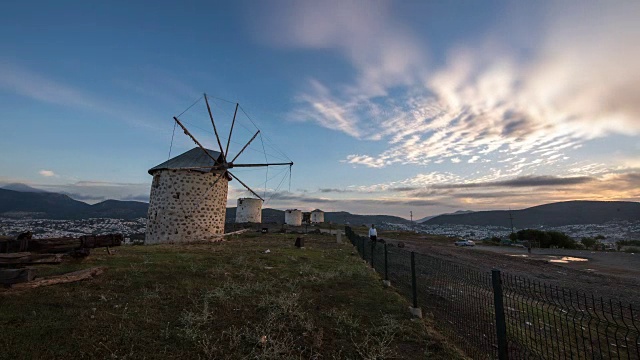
172	134
190	106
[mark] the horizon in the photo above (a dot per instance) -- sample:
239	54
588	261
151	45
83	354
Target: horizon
385	108
310	209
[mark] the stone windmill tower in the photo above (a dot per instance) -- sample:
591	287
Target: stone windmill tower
189	192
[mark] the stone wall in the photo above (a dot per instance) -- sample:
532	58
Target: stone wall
249	210
317	217
293	217
186	206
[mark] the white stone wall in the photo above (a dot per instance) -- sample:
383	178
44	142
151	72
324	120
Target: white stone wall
185	206
293	217
317	217
249	210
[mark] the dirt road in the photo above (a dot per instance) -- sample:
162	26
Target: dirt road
607	274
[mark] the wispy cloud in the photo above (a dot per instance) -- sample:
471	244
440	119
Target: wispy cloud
334	190
487	103
31	84
522	181
382	51
35	85
47	173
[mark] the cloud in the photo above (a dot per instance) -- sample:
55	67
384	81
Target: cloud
47	173
350	27
334	190
296	198
383	202
403	188
381	50
325	111
143	198
437	192
488	102
29	83
523	181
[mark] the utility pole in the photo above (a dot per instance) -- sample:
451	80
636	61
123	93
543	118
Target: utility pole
411	214
511	219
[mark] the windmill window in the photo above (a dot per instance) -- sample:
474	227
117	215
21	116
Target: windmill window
156	181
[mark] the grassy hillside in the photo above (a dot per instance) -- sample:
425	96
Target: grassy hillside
225	300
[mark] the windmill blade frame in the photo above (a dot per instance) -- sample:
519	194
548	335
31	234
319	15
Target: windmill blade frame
215	130
245	146
245	185
231	131
186	131
224	165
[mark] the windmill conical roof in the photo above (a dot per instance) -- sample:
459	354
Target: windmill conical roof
190	159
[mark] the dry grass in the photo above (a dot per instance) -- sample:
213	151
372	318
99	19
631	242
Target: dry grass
212	301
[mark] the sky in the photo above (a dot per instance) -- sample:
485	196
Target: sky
385	107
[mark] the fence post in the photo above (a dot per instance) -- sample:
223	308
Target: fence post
386	281
373	246
501	326
415	310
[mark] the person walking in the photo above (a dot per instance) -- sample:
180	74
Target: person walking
373	233
373	236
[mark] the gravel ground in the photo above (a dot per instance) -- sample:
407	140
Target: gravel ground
608	274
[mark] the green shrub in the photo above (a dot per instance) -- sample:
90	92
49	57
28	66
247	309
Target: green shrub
547	238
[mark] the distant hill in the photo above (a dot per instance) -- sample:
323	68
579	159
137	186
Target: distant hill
554	214
454	213
120	209
342	217
268	215
46	205
22	187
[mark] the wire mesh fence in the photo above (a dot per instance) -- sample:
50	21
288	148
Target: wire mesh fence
498	315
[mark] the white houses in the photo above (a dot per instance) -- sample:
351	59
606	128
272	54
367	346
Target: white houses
317	216
293	217
188	200
249	210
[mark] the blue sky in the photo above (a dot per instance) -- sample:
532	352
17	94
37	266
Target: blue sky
385	107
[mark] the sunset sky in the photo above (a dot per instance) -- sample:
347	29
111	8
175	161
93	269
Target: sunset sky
384	107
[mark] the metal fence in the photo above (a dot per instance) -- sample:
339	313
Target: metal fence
498	315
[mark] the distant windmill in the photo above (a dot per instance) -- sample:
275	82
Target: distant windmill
189	192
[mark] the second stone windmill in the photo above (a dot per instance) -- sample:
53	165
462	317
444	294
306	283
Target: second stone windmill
189	192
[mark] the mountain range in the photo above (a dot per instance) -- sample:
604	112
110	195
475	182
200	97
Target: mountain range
424	219
48	205
22	201
554	214
341	217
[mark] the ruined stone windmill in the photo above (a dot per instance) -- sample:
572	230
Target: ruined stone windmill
189	192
